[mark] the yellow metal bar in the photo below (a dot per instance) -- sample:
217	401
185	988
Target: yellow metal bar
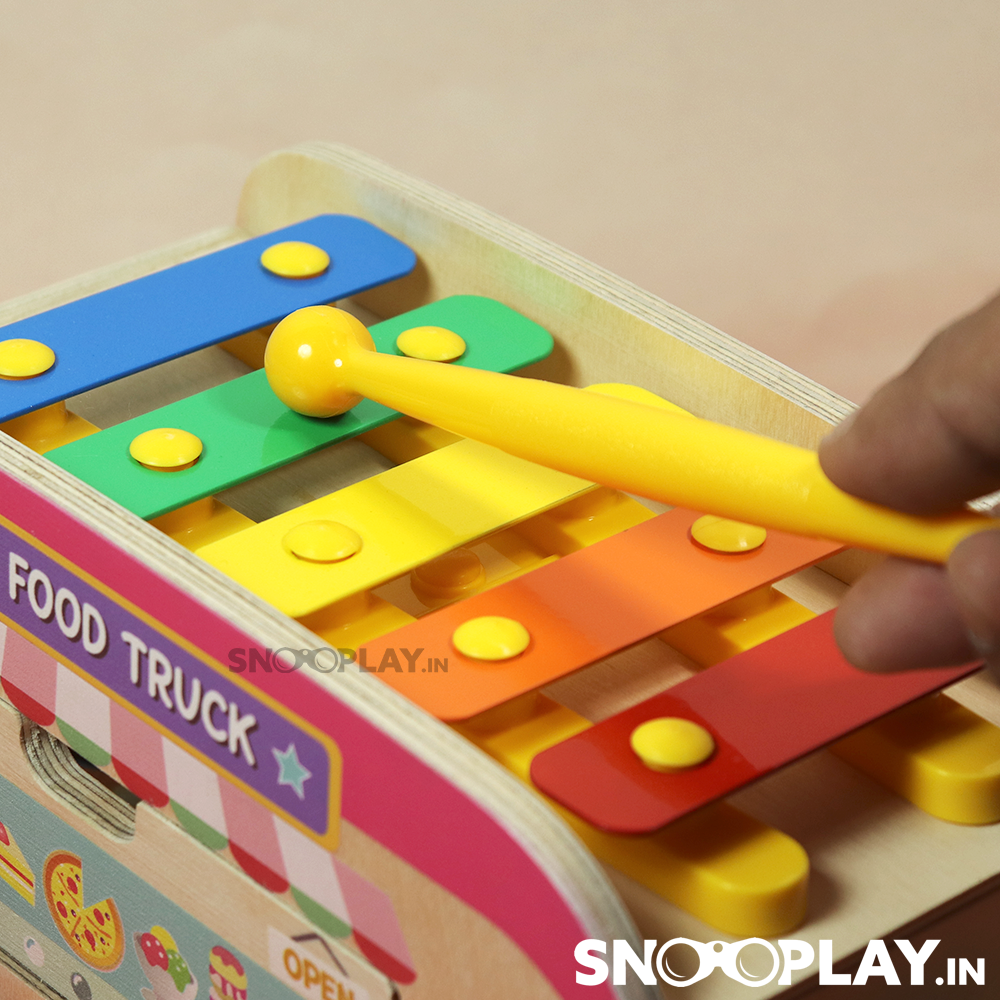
404	517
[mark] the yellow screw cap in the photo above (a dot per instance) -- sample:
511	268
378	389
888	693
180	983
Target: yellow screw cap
720	535
295	260
491	638
431	343
322	541
24	359
166	449
672	744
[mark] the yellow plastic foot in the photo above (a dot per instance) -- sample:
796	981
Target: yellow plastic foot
404	439
48	428
200	523
935	753
736	626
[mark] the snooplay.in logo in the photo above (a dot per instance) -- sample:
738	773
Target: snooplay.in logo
756	962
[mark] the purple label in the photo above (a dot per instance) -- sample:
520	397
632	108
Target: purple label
205	709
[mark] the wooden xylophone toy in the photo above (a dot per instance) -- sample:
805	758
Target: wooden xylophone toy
329	706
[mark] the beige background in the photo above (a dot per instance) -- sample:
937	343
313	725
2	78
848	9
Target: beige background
820	179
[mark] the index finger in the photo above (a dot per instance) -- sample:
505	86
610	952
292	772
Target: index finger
930	439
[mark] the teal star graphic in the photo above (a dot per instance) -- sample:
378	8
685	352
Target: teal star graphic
291	771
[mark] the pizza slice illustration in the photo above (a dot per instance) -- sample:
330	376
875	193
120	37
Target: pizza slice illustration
14	868
94	933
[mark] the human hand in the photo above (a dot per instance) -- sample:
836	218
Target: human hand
926	442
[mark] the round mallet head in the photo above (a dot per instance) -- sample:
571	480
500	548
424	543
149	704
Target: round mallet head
307	360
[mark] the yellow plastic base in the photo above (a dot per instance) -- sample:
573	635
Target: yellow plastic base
356	620
405	516
935	753
405	439
48	428
583	521
736	626
200	523
728	869
249	347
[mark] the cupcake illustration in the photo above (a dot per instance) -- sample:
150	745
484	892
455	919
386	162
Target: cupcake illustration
229	981
169	976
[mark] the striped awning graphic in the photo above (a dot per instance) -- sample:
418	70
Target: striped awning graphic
210	807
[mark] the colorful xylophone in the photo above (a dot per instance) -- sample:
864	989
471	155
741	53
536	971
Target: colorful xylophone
277	645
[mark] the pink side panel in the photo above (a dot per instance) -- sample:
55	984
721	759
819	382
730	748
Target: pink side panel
393	797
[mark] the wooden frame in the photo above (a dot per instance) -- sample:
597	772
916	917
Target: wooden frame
875	858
